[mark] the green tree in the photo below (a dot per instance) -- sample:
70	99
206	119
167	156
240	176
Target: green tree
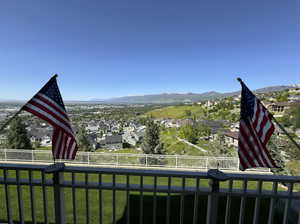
152	139
282	97
189	132
292	117
275	149
295	111
82	139
17	137
188	113
203	130
151	144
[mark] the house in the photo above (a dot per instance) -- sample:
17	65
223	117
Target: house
231	138
235	127
46	141
294	98
92	139
3	140
40	135
113	141
92	128
294	90
279	107
130	138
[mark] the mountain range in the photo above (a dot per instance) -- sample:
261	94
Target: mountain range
166	98
170	98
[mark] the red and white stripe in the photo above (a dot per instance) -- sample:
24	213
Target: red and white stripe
64	145
253	137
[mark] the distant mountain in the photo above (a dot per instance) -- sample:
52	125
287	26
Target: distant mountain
170	98
166	98
273	89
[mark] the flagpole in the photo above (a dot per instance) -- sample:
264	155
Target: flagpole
280	126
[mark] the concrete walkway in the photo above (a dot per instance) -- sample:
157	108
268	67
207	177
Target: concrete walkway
191	144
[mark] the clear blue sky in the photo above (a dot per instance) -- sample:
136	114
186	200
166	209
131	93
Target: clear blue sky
108	48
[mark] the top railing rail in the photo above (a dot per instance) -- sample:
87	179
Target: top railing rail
129	159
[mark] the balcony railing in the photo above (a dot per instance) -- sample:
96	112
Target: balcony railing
78	194
129	160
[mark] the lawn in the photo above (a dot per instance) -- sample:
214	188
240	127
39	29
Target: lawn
174	146
176	112
93	197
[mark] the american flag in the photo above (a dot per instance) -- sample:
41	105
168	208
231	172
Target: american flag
48	105
256	129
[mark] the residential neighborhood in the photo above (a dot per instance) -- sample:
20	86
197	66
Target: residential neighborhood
107	128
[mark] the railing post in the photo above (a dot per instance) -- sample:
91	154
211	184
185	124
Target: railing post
146	160
59	200
32	155
176	161
58	178
88	158
213	199
117	159
206	163
212	203
5	156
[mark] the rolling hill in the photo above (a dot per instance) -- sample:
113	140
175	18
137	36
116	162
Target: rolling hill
172	98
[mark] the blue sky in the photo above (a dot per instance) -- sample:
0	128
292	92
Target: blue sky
103	49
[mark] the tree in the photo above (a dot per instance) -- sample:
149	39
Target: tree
282	97
296	115
188	113
83	141
151	143
274	146
203	130
17	137
151	138
189	133
292	117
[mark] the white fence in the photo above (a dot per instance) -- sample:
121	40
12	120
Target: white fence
128	160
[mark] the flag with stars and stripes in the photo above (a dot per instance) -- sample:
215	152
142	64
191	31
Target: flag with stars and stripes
48	105
256	129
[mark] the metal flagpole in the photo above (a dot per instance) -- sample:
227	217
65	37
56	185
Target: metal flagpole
280	126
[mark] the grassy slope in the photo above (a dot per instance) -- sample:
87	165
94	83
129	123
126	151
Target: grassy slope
174	146
176	112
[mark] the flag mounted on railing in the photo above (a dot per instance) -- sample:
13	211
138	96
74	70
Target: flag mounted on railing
48	105
256	129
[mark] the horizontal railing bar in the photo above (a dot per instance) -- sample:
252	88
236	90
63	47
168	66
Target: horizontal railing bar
27	182
152	172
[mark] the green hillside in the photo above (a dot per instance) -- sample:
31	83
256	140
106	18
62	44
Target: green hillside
177	112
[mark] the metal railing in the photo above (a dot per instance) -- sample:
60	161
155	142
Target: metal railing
129	160
115	195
